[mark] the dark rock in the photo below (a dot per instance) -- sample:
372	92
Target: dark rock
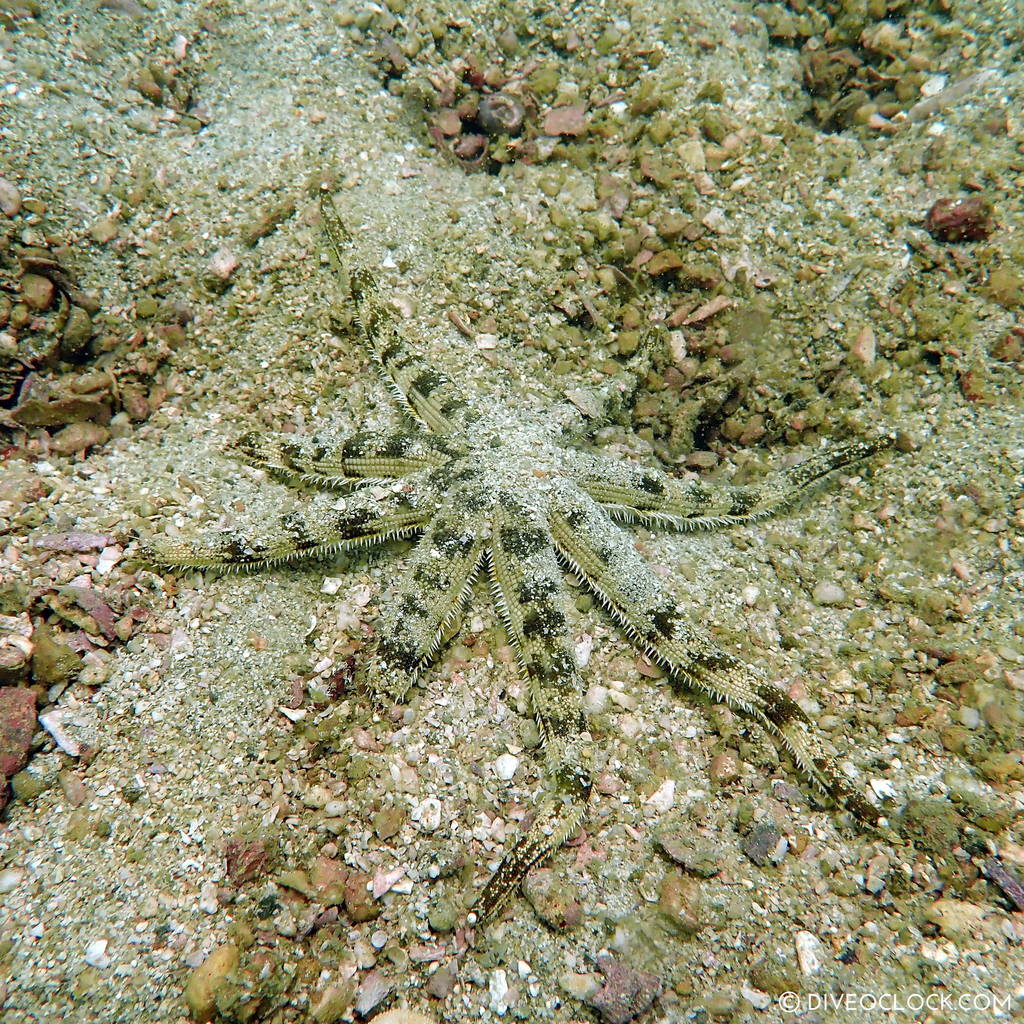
500	114
765	844
441	983
960	220
1006	880
77	332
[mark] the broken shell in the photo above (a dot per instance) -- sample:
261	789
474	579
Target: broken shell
500	114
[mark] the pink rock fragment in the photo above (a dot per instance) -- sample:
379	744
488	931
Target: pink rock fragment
17	725
626	992
569	120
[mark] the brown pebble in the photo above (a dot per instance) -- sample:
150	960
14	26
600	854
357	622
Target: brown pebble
960	220
375	988
725	768
73	788
76	437
202	985
328	877
37	291
863	345
448	121
104	230
359	904
441	983
249	858
679	902
569	120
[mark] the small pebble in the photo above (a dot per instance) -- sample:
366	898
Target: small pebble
37	291
372	992
809	953
10	879
505	766
757	999
440	986
580	986
663	797
863	345
827	592
497	986
104	230
76	437
765	843
10	198
724	768
223	263
96	954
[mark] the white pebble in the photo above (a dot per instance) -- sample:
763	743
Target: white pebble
750	593
808	952
758	1000
498	988
208	898
827	592
505	766
96	954
596	699
10	879
584	649
663	797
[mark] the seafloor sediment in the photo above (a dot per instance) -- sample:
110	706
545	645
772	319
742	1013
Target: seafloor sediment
207	777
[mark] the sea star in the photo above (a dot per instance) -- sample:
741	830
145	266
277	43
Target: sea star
512	490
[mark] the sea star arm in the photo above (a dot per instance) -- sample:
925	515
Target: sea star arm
632	492
361	458
422	389
436	584
601	553
326	525
533	600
